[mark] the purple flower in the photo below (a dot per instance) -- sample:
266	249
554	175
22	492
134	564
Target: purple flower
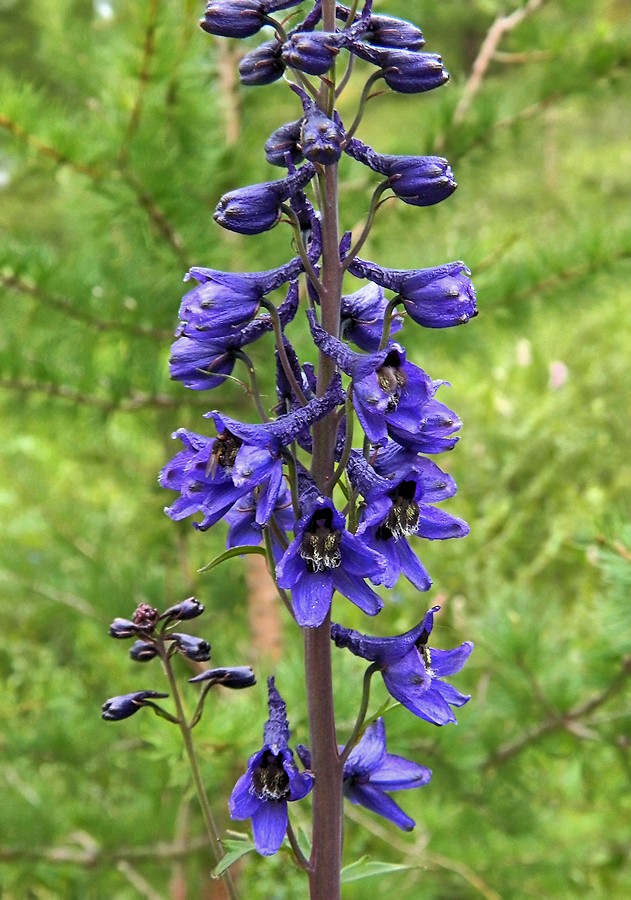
386	31
320	138
362	317
284	140
436	298
258	460
324	557
224	302
271	781
257	208
370	770
417	180
412	672
202	473
212	474
203	360
390	395
126	705
244	530
400	506
125	628
143	651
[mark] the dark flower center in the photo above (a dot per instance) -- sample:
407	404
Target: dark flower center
392	379
224	452
270	780
404	515
320	545
423	649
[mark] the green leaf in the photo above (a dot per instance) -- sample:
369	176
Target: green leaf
229	554
238	850
364	868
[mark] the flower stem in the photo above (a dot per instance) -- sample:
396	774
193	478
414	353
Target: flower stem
326	854
209	821
361	715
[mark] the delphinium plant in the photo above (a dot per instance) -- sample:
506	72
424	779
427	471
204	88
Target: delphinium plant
334	484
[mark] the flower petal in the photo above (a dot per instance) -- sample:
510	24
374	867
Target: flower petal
269	826
375	800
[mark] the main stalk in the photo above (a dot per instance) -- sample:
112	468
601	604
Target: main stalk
326	857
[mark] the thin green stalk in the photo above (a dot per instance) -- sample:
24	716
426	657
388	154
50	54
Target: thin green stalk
387	321
209	821
363	100
301	859
254	386
374	206
361	715
300	247
348	440
282	353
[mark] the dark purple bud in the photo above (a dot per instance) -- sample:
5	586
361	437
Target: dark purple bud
414	73
143	651
236	677
257	208
285	140
240	18
404	71
312	52
421	180
263	65
125	628
192	647
321	137
417	180
117	708
386	31
444	300
187	609
439	297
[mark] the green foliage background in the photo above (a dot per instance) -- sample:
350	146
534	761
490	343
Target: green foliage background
112	156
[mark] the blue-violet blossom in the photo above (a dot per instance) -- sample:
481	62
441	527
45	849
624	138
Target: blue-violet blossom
412	672
271	781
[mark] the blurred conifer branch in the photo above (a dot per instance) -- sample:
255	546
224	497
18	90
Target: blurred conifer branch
70	308
572	721
132	403
144	76
500	27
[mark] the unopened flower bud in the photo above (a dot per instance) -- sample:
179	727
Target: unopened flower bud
187	609
233	18
263	65
126	705
312	52
285	140
192	647
321	138
143	651
236	677
257	208
125	628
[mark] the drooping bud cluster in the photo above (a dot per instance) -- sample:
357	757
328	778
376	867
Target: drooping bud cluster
354	529
155	638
